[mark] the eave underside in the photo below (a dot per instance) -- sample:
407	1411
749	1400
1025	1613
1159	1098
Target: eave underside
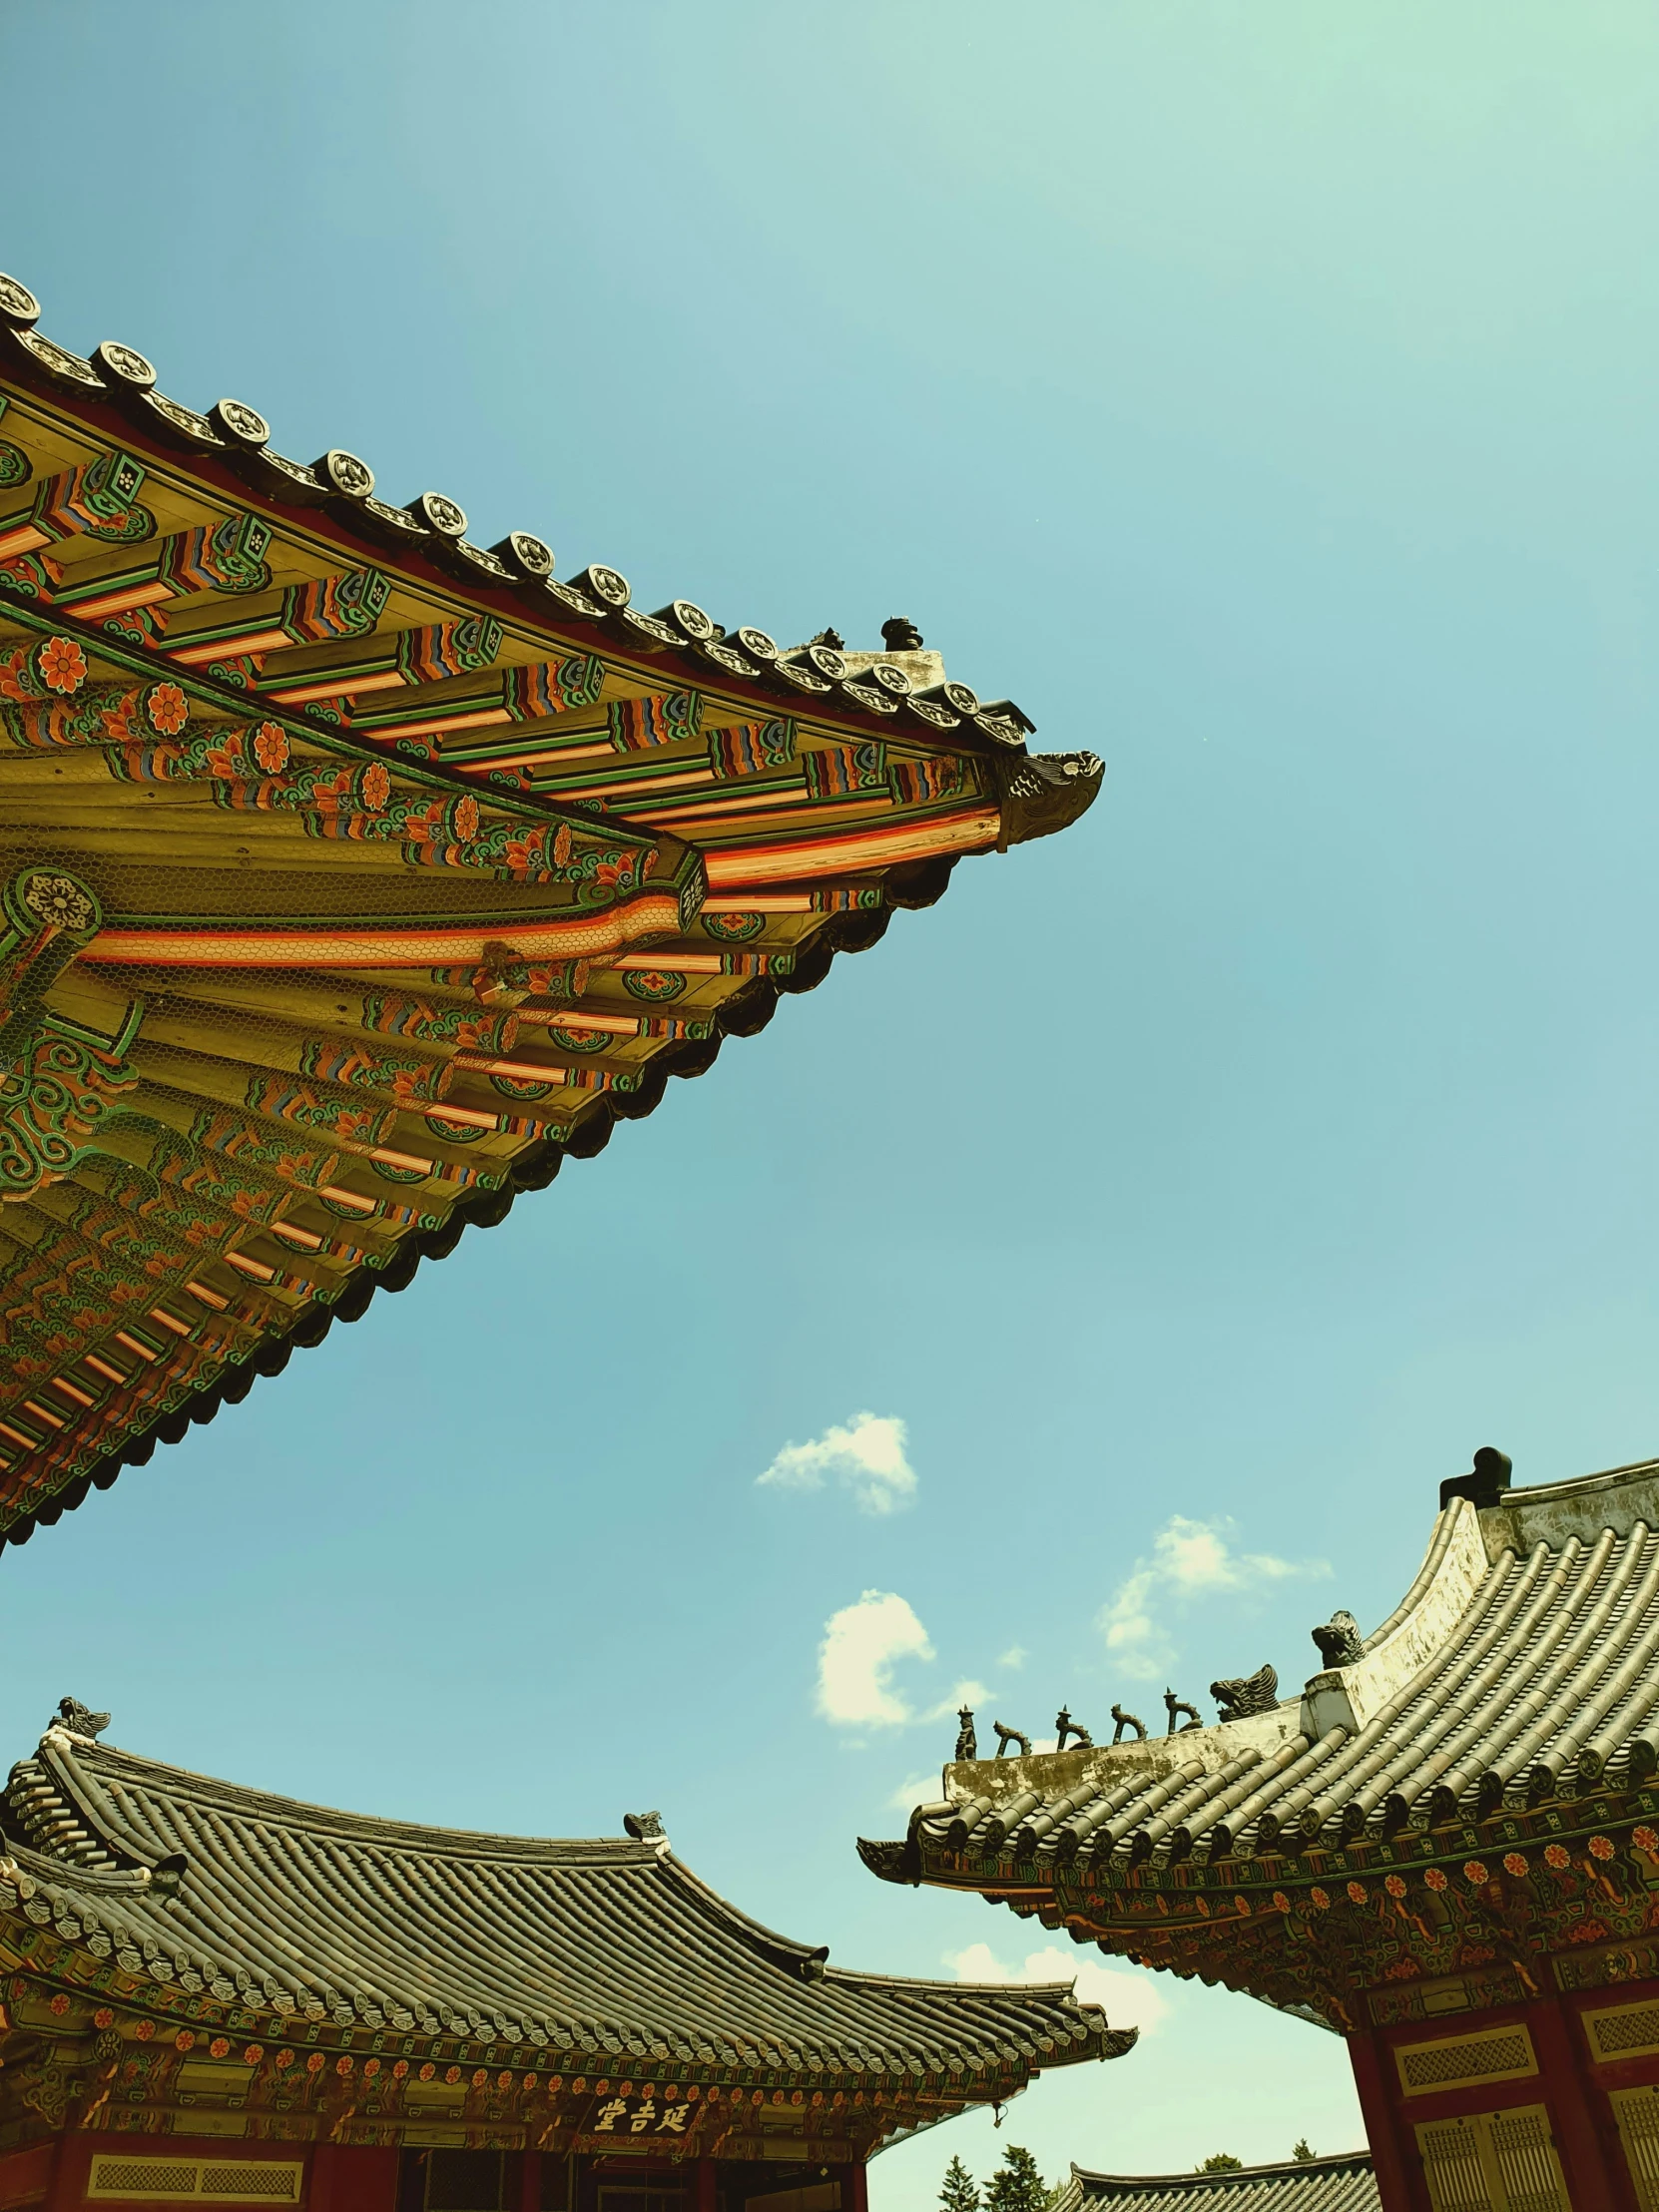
355	875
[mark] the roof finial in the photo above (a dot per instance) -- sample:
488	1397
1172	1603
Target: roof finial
901	634
645	1827
76	1720
1485	1485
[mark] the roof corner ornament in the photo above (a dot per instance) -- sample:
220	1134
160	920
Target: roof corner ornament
1127	1720
1174	1705
832	639
1339	1640
1066	1726
1486	1482
1007	1736
1044	792
76	1719
901	634
1247	1694
967	1743
645	1827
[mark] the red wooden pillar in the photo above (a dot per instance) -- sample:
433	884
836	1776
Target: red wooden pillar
1394	2149
854	2187
705	2185
1591	2161
529	2182
351	2177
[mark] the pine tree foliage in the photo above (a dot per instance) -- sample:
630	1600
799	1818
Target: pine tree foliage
1222	2162
1016	2185
961	2192
1303	2153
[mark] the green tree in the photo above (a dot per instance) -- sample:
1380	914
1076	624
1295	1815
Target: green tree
961	2192
1302	2154
1222	2162
1016	2185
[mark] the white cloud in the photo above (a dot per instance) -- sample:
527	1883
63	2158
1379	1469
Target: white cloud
1189	1559
1128	1996
866	1455
967	1693
855	1661
1014	1658
921	1789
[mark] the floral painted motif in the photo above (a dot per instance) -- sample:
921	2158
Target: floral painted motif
1558	1857
167	709
1601	1847
1320	1901
62	664
1476	1873
1355	1893
1395	1884
284	2059
1514	1863
184	2039
314	2063
219	2047
1434	1876
271	748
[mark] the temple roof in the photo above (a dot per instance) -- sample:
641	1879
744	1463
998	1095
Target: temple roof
1345	2183
352	873
1523	1664
1475	1764
581	1953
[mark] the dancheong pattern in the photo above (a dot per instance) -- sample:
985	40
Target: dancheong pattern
397	849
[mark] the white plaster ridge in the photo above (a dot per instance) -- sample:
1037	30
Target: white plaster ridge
1455	1568
1554	1511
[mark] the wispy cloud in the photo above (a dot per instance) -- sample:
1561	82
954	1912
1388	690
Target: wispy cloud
1014	1658
1129	1996
1190	1559
855	1660
921	1789
966	1693
866	1455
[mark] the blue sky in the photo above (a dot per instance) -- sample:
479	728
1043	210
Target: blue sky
1263	397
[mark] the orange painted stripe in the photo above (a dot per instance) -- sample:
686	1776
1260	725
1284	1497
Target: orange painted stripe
207	1298
69	1391
132	1344
103	1368
28	1443
343	687
256	1268
354	1199
527	760
24	539
484	719
292	1234
169	1321
253	641
41	1412
120	602
866	849
519	1071
581	937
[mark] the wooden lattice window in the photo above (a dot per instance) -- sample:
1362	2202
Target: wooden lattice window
1637	2112
197	2181
1624	2032
1493	2163
1460	2061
